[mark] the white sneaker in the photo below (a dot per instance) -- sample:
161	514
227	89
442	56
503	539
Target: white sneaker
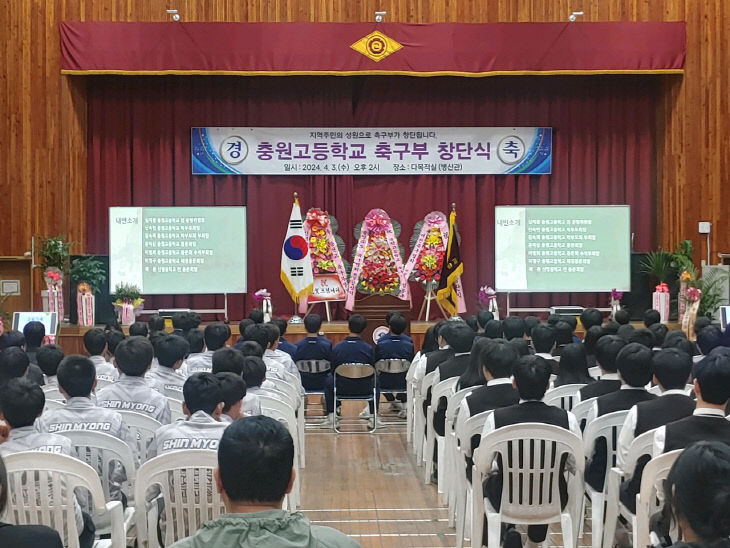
379	423
365	413
329	421
403	414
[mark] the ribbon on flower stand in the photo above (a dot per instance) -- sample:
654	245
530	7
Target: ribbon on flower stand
488	298
693	298
684	280
661	301
264	296
85	302
616	297
54	283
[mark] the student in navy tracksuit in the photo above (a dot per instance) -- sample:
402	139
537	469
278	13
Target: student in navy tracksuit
352	350
314	347
395	345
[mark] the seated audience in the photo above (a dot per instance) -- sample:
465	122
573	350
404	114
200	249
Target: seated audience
15	339
273	353
250	348
462	339
530	323
255	472
591	317
697	492
611	327
256	315
113	338
671	369
513	327
216	335
23	535
156	324
483	317
593	334
234	391
607	349
521	346
228	360
202	428
625	331
707	422
263	336
471	321
182	322
659	330
473	376
643	336
313	347
493	329
171	351
573	366
242	325
418	366
22	403
196	340
634	367
254	375
543	341
651	317
138	329
394	345
48	357
622	317
442	332
96	342
131	392
708	338
33	333
13	364
531	379
563	336
284	345
352	350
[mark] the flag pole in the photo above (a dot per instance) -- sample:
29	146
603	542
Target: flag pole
296	319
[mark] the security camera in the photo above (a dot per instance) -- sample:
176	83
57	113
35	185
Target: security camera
175	15
574	16
379	16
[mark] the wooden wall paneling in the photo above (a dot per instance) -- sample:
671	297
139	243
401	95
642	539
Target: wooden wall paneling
43	115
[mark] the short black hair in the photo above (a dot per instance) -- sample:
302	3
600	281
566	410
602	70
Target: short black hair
254	371
563	333
202	392
700	323
170	349
13	363
243	324
590	340
216	335
255	460
607	349
256	315
76	375
660	332
493	329
672	335
530	323
156	323
590	317
113	338
282	324
257	333
572	321
460	338
357	323
95	341
228	360
22	401
313	323
273	332
543	338
713	375
138	329
651	317
471	321
483	317
34	333
498	358
552	319
232	387
398	323
250	348
48	357
196	340
611	327
513	327
532	375
134	356
11	338
520	345
708	338
672	368
622	317
643	336
634	364
185	321
625	331
678	340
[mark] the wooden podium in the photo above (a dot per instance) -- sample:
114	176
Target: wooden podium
375	307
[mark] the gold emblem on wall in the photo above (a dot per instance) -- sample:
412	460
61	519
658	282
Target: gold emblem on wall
376	46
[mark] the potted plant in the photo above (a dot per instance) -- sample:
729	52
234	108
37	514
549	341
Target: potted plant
54	253
127	302
89	275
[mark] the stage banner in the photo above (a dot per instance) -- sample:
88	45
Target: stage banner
371	151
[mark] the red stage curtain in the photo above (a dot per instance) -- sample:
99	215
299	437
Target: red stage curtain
139	154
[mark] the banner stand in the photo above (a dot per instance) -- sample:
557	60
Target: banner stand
430	296
326	308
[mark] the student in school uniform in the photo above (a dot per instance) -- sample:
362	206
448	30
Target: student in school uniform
543	341
284	345
531	379
314	347
131	392
234	391
171	351
215	335
48	358
394	345
22	403
607	349
202	427
96	343
273	352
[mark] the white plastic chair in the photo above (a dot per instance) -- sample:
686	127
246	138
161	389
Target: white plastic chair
530	493
607	427
411	388
641	446
142	428
176	411
465	431
298	400
563	396
282	411
187	485
53	393
41	491
581	410
448	469
531	466
102	452
443	389
356	371
595	372
655	472
419	420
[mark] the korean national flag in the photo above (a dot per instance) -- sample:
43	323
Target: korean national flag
296	267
